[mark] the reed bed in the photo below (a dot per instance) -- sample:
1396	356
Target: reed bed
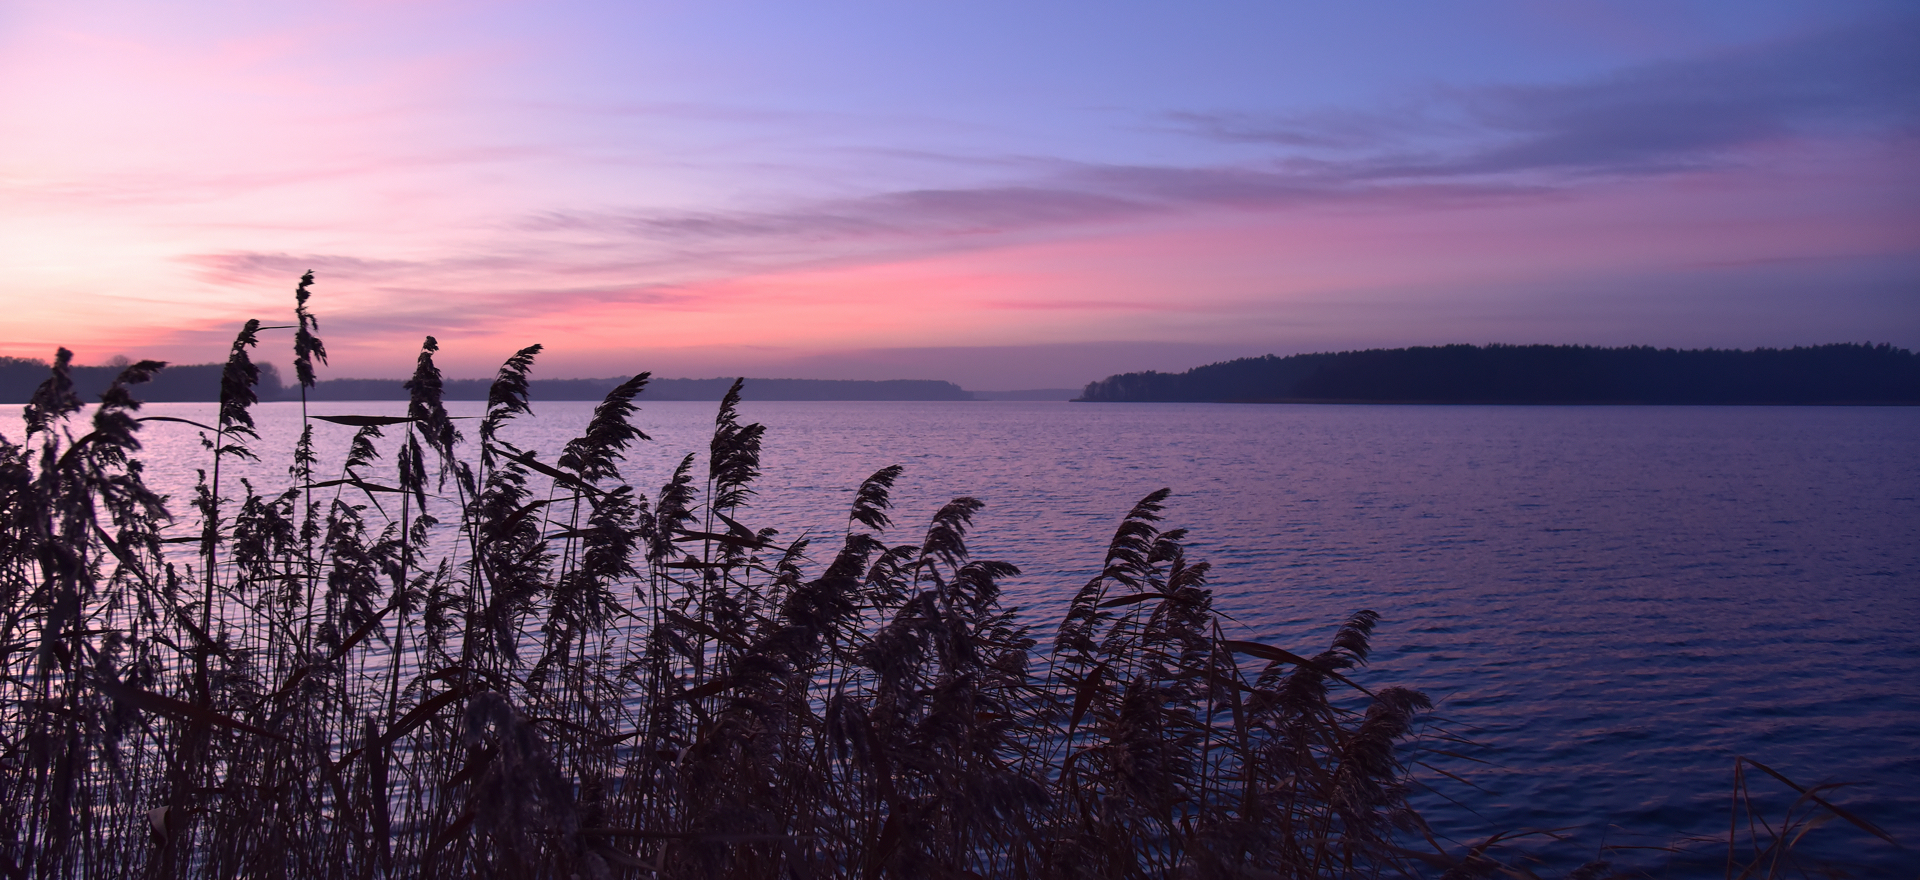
454	658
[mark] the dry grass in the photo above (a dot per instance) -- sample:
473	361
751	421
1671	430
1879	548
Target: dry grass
593	682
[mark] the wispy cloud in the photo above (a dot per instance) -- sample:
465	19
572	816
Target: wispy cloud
1655	118
404	292
248	268
983	211
1458	146
1083	305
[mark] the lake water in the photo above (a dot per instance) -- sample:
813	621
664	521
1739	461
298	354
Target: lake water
1613	601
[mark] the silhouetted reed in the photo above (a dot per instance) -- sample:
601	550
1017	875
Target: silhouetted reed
571	679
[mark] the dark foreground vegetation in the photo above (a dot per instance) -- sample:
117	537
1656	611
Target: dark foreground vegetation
497	664
1824	374
19	377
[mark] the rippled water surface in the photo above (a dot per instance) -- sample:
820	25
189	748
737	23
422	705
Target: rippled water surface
1613	601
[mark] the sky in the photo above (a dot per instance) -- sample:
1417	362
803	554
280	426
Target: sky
1001	194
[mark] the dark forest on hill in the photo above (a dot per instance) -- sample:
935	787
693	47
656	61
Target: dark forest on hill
186	382
1824	374
201	382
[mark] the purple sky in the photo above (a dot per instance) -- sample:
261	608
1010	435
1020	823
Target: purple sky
1004	195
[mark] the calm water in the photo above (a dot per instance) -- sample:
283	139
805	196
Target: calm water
1613	601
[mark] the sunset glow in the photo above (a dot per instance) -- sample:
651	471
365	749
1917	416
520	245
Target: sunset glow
992	194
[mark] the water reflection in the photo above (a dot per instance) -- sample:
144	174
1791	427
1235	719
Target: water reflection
1615	600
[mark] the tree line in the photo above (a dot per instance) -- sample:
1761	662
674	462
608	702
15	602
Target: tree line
1823	374
201	382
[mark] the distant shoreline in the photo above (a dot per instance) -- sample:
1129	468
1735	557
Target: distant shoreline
1839	374
194	383
1316	401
